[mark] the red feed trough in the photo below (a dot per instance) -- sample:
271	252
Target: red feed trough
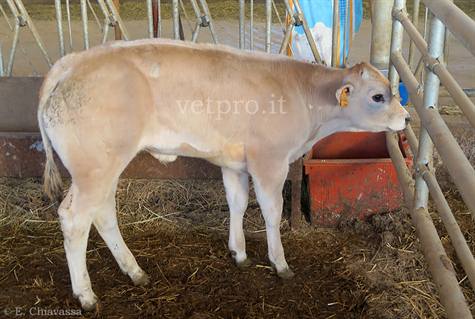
350	175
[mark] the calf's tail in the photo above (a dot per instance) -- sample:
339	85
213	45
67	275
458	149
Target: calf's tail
52	183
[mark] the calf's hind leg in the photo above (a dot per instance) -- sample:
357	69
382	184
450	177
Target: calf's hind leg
76	215
269	178
106	224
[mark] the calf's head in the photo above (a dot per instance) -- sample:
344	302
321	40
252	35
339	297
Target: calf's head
367	102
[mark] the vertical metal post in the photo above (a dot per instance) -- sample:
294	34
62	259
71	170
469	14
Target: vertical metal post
85	31
415	21
117	32
150	18
159	14
346	33
380	33
176	20
157	19
242	16
268	24
70	31
396	44
59	25
1	60
251	25
431	94
336	34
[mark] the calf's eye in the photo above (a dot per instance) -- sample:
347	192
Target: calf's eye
378	98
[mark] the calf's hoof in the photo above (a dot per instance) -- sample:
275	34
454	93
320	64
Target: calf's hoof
88	303
285	274
246	263
141	278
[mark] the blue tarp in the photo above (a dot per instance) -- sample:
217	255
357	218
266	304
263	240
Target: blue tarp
321	12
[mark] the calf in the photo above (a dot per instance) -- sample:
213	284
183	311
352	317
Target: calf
250	113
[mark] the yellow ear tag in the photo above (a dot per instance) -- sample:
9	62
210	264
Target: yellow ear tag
344	98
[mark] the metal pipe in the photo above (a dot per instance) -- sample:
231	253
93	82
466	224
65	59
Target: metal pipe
308	32
176	21
96	18
242	32
214	35
460	24
404	175
346	35
195	33
453	229
1	60
197	11
430	100
150	18
268	24
116	15
380	33
85	31
105	32
34	32
454	159
70	31
336	34
59	26
411	139
415	21
396	44
456	92
11	59
251	25
4	14
108	20
287	36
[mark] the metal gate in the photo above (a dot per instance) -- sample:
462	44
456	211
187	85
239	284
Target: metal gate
434	132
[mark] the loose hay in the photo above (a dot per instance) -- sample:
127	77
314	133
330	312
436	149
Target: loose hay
178	233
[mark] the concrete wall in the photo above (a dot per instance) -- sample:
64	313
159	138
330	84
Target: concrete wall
18	103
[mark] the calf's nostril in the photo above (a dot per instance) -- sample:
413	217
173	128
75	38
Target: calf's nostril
408	120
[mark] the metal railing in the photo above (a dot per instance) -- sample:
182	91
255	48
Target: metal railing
111	19
434	132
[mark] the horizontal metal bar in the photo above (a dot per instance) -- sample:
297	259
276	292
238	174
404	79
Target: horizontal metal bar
459	23
448	81
458	240
456	92
439	264
469	91
454	159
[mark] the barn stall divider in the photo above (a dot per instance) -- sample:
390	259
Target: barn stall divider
22	154
434	132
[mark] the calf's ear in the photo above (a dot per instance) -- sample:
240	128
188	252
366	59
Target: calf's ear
343	95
